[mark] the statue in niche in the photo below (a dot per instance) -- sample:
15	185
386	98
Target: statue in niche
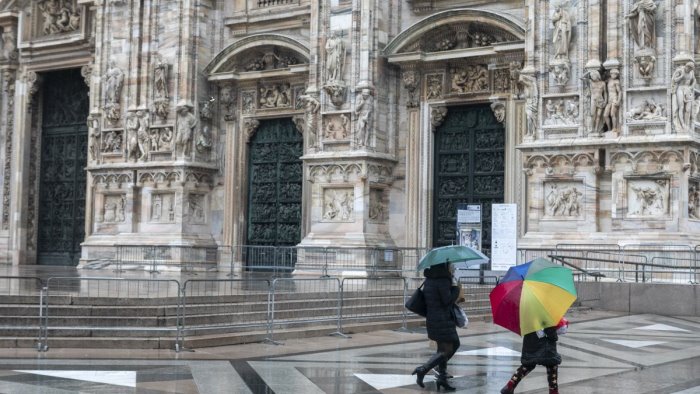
612	108
682	88
132	139
114	81
157	207
646	110
335	58
434	87
649	198
531	94
142	134
93	124
642	23
364	106
160	83
311	108
561	71
645	65
693	203
186	122
9	43
499	111
562	33
599	100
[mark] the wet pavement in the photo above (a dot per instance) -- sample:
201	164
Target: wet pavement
602	353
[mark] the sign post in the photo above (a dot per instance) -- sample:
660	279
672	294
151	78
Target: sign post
504	236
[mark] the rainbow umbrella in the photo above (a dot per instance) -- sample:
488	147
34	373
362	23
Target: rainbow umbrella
532	296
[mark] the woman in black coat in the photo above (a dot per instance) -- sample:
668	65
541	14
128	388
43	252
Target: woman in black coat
539	348
439	295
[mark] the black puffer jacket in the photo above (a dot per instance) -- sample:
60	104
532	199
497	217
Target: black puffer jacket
542	351
439	297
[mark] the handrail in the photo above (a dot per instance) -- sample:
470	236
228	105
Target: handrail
560	259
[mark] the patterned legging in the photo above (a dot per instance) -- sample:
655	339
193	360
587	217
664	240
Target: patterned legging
523	370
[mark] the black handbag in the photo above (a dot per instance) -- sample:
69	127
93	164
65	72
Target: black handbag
416	303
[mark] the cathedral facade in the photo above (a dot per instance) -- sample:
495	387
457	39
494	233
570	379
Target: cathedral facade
359	123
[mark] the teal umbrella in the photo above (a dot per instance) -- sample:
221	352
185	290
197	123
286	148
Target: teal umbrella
452	254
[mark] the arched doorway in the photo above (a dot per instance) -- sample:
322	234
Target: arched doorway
469	167
64	137
275	175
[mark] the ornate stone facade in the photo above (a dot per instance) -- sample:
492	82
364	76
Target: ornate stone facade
599	142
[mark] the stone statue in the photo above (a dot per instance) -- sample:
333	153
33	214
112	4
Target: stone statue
645	65
364	106
612	108
562	33
112	142
160	83
499	111
114	81
227	101
561	71
142	135
9	43
311	107
335	58
531	94
693	203
186	122
599	100
93	124
642	23
682	88
132	139
411	81
650	199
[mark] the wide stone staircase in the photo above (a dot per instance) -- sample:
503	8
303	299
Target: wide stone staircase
207	318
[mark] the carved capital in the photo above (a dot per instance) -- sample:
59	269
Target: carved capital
437	116
249	128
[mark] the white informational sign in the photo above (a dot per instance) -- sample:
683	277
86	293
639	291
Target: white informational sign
504	236
472	214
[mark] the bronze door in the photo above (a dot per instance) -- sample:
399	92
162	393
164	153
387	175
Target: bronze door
61	224
468	168
275	184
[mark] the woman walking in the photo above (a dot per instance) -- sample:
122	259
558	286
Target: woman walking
439	295
539	347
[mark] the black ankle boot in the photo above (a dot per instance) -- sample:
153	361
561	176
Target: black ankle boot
425	368
442	382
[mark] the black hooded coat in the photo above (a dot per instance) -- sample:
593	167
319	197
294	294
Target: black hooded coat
440	295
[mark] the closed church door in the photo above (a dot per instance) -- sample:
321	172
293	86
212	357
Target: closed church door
468	168
275	184
61	224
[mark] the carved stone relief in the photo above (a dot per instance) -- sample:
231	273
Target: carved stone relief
560	66
113	210
645	65
459	36
338	204
364	126
563	200
203	139
683	96
249	127
473	78
195	209
434	87
501	80
161	139
561	112
113	84
647	198
9	43
561	72
248	102
694	201
647	109
437	116
499	111
228	102
186	124
336	127
161	100
59	16
531	95
274	96
377	206
269	58
162	208
642	26
411	82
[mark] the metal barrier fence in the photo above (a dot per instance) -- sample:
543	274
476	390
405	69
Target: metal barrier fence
476	293
287	295
159	257
372	299
111	300
225	305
